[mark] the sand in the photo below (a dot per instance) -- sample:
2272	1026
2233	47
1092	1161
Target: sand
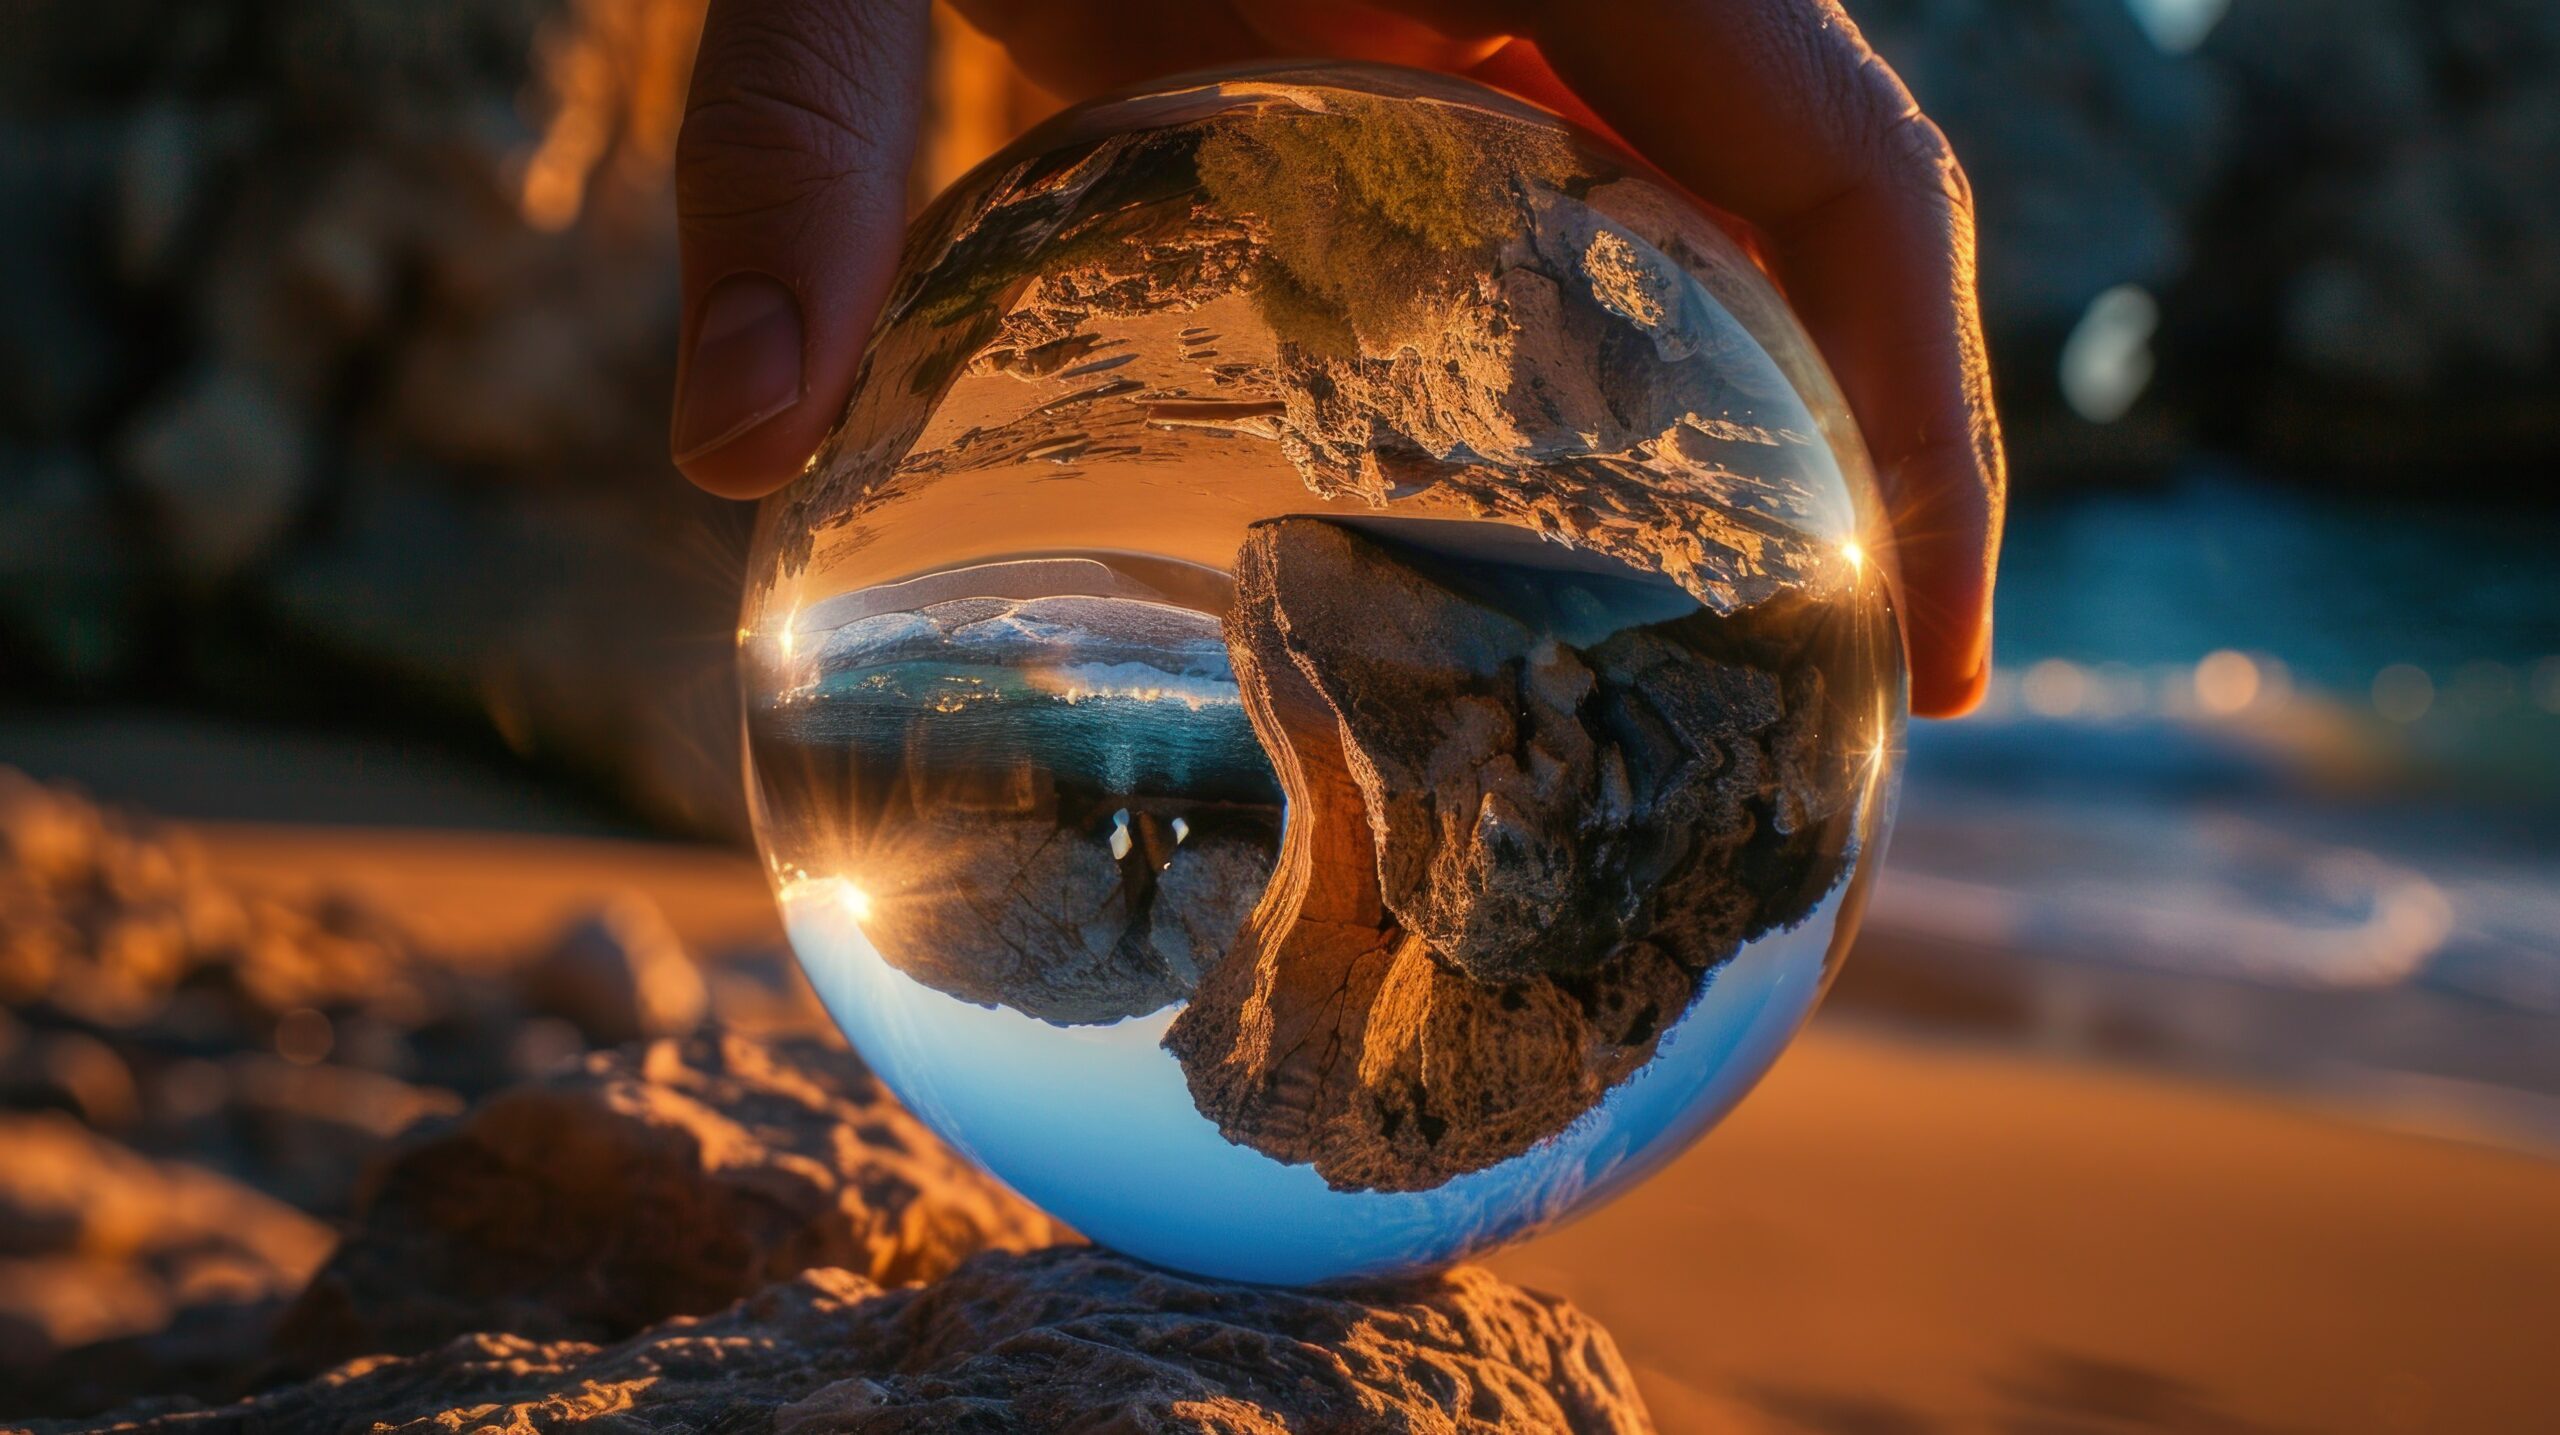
1896	1235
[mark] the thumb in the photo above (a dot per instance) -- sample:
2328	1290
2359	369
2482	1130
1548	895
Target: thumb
790	197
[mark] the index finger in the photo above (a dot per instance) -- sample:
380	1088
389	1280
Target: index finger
1778	111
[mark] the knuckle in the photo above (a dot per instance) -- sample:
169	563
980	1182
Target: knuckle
776	115
1916	155
1881	120
1885	145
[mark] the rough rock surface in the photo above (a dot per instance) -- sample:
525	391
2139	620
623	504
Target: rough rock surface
614	1198
668	1179
1510	859
116	1268
281	1035
1055	1340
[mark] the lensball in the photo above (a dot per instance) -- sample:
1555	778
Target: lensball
1328	704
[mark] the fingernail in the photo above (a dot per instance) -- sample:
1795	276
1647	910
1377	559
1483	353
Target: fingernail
745	365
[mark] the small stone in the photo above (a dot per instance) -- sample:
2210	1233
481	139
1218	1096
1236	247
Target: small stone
46	834
620	974
306	1133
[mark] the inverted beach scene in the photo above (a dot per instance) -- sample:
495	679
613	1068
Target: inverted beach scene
1316	737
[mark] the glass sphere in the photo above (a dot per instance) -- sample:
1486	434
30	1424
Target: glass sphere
1324	707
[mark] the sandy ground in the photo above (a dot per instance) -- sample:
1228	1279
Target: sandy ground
1894	1236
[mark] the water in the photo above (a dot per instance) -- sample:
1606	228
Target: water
1050	801
2292	883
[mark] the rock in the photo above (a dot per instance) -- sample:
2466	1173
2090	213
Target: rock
68	1191
193	1352
665	1180
105	918
1510	333
1058	1339
98	1244
536	353
49	838
1082	953
306	1133
224	464
628	1199
1516	846
164	179
281	1038
71	1070
1113	935
621	974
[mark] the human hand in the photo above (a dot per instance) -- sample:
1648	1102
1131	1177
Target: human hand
791	193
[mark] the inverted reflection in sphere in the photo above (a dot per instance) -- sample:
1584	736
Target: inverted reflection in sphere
1327	704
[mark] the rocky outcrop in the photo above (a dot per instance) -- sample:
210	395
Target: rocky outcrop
270	275
2373	289
1061	1339
2341	208
1514	850
669	1179
561	1255
278	1036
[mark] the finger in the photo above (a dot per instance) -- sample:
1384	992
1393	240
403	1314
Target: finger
1520	68
790	198
1778	111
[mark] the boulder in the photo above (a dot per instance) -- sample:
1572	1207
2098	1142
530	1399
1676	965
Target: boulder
104	1249
620	974
1068	1338
666	1179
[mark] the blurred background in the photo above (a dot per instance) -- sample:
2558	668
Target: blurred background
335	345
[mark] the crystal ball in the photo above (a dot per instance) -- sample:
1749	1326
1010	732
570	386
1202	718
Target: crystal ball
1329	702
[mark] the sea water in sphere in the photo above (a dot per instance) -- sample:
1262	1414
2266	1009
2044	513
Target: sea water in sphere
1329	703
